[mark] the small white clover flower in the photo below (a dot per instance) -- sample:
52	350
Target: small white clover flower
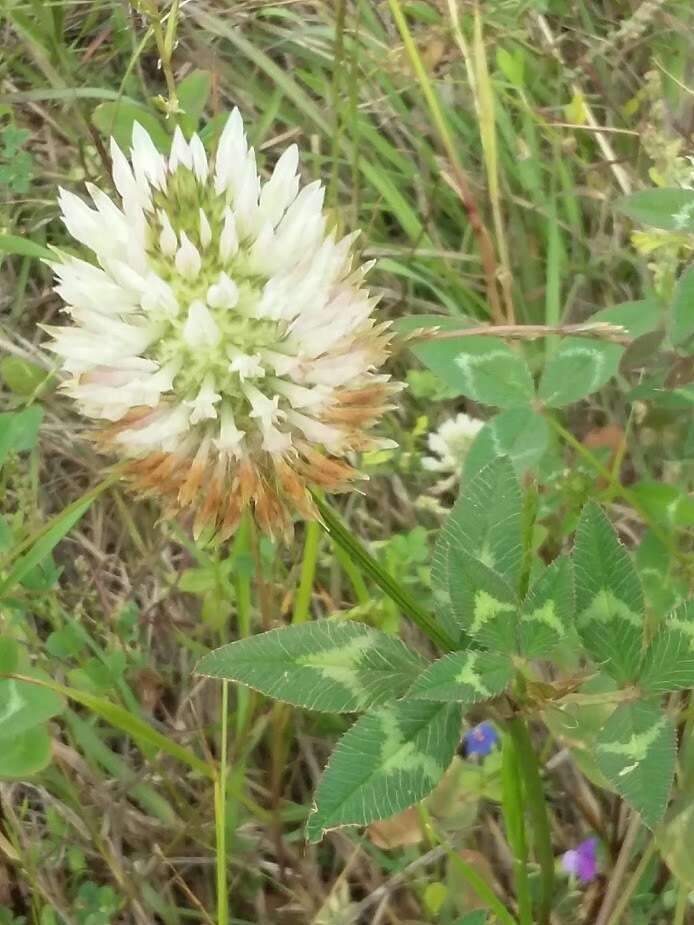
221	333
450	443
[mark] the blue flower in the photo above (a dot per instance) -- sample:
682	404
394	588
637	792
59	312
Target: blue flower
480	740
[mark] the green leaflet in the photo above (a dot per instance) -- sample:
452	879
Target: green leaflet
19	430
576	369
547	610
671	209
519	433
609	601
483	603
478	557
480	367
638	318
493	373
25	754
117	119
24	705
486	520
464	677
337	667
669	662
391	758
636	753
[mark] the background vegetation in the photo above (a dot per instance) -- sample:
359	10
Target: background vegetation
481	151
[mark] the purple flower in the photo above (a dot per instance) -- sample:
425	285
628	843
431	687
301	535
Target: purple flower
480	740
581	861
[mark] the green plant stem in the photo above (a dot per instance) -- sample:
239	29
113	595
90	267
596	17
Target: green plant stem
302	601
514	818
220	795
537	810
361	592
337	531
165	43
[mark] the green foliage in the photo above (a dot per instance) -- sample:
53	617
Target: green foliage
117	119
638	318
392	757
16	164
193	93
669	661
668	209
609	600
577	368
519	433
547	611
682	310
485	369
333	666
25	745
636	753
19	430
467	677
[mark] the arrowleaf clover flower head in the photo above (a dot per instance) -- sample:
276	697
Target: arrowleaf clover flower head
582	861
219	335
480	740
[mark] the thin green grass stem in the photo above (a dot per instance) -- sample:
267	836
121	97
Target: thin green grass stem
220	796
302	601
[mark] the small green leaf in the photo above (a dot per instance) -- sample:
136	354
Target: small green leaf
21	377
391	758
609	601
337	667
25	754
24	247
669	662
666	505
682	311
489	371
519	433
636	753
547	610
463	677
637	318
577	368
117	119
671	209
193	93
19	430
24	705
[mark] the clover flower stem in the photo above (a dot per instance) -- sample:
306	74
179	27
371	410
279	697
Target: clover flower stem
220	792
347	541
302	601
537	810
